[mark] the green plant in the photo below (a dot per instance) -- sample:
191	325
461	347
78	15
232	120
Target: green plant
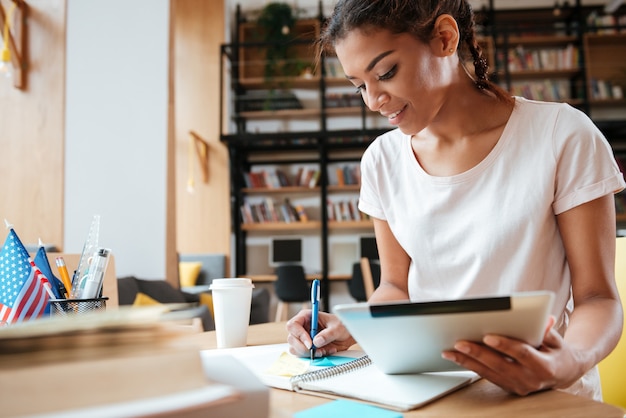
276	22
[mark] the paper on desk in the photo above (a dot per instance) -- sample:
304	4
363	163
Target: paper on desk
289	365
343	408
274	366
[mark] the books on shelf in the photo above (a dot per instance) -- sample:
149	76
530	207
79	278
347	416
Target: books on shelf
345	210
605	90
266	178
345	175
307	177
607	23
259	100
549	90
521	58
277	178
269	210
334	100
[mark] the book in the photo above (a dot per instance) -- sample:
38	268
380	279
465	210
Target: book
350	374
103	363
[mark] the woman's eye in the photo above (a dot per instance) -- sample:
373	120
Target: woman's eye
360	89
389	74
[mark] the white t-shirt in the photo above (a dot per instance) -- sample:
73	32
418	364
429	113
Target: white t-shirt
492	230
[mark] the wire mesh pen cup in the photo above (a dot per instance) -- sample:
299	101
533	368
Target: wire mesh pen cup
76	306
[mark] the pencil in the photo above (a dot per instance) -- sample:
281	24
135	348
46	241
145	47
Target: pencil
65	277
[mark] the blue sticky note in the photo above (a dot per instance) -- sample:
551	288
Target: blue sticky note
346	409
331	361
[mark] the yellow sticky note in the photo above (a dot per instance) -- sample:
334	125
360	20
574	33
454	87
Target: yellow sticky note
288	365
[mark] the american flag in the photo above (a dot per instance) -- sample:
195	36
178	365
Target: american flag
22	292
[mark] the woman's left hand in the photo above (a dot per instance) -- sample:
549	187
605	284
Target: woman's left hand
516	366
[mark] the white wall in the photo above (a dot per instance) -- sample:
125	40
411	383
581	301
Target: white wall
116	130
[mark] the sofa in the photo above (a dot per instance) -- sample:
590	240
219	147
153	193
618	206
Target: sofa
163	292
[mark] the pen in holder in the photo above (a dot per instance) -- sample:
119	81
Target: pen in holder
88	279
76	306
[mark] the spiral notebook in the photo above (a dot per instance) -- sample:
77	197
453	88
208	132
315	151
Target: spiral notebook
362	380
358	379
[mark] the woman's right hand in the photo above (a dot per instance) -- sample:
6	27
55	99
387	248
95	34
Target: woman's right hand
331	337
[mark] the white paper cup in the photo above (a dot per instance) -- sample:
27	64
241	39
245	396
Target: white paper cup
231	310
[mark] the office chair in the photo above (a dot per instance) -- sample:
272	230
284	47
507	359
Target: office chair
612	368
290	286
365	278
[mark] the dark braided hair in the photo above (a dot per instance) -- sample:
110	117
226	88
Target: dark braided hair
416	17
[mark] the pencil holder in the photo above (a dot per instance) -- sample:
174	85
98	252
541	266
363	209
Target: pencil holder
76	306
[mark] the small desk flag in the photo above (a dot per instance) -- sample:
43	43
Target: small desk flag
22	292
41	261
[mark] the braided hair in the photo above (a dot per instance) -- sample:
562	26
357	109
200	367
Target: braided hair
416	17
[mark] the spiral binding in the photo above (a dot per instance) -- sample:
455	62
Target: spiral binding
330	371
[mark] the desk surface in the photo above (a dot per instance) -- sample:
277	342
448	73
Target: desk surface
272	277
479	399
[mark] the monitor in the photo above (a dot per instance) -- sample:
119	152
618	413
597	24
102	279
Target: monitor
368	247
285	250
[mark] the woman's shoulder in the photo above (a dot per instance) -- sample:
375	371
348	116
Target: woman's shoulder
389	142
561	129
538	108
386	147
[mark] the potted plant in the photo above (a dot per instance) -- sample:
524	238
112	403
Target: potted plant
276	22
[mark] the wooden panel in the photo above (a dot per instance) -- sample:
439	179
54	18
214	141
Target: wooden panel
32	131
202	221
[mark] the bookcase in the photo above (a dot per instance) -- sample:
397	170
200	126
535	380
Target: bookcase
295	129
575	54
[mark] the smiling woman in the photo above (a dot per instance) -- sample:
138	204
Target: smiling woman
478	194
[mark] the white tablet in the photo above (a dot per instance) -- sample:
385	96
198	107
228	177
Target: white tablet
409	337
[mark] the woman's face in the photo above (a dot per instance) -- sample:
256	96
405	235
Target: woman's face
397	75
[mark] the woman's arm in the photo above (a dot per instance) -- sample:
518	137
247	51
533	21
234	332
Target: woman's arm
394	266
588	233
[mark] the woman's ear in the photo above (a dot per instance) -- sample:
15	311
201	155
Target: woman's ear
445	36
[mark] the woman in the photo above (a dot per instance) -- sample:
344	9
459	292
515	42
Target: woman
478	193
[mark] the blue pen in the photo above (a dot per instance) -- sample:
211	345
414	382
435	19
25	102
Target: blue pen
315	308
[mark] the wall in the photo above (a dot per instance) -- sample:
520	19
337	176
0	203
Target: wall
117	121
32	131
118	107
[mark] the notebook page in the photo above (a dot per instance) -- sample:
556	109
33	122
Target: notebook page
401	392
262	361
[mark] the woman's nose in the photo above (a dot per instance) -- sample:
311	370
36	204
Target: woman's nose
375	99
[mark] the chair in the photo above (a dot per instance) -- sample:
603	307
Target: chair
290	287
613	366
365	278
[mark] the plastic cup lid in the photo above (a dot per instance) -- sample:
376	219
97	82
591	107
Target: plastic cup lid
231	283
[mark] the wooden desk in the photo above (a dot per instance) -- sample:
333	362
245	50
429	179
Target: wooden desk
269	278
481	399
